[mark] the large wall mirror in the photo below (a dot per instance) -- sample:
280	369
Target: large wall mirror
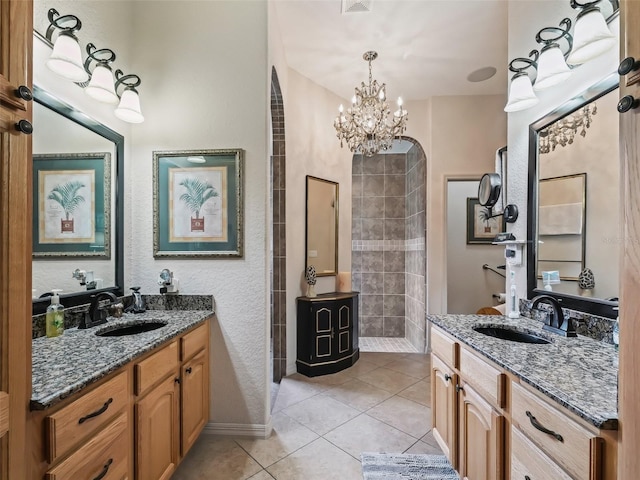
322	226
574	201
69	146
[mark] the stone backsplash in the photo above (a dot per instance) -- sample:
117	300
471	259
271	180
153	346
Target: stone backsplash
73	315
593	326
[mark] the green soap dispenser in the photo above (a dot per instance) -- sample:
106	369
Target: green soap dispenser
55	315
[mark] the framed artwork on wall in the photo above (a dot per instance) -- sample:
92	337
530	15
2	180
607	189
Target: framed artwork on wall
72	205
197	203
481	228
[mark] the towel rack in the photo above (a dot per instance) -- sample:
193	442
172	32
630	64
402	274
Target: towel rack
487	267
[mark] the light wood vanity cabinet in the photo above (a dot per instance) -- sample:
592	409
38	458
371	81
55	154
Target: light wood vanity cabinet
491	427
138	423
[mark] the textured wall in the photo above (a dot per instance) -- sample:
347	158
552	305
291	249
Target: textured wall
525	19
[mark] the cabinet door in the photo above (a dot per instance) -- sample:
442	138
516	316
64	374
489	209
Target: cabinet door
324	333
443	408
343	328
195	399
481	438
16	37
158	432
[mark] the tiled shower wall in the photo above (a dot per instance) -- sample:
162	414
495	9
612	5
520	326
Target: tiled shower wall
279	251
388	246
415	255
378	243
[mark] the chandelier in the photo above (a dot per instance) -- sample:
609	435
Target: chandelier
368	125
564	130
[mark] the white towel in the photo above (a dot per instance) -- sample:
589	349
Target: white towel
561	219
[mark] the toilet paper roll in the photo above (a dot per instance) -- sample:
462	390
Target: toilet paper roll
343	282
501	297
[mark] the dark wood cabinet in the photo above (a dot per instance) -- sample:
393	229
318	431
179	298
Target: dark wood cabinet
327	333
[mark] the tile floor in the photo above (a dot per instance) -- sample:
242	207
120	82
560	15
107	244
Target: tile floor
321	425
386	344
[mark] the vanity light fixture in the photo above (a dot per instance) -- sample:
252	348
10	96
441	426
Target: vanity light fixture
368	125
521	94
66	58
552	66
591	36
66	61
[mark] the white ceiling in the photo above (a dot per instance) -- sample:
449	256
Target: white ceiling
425	47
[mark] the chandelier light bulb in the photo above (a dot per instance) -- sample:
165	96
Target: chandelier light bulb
341	108
381	94
400	102
354	100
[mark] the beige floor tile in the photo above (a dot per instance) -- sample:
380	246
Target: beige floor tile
358	394
410	367
389	380
216	457
367	434
287	436
319	460
419	357
263	475
362	366
381	358
321	413
423	448
294	389
405	415
328	380
419	392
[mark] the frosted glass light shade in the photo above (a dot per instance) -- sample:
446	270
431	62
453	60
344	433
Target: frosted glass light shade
591	38
101	86
521	95
66	59
552	68
129	108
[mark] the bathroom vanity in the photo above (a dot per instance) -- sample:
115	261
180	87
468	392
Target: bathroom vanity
120	407
327	332
509	410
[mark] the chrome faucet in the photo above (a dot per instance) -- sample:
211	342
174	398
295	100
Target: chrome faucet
97	315
557	321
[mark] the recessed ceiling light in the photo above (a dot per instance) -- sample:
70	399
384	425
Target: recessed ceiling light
482	74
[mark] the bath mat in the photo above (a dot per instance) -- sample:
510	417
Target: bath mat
394	466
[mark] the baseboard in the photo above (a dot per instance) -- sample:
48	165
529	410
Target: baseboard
238	429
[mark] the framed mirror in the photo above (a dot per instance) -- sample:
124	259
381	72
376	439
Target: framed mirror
321	234
69	146
574	202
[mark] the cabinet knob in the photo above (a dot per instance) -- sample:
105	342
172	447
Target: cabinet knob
176	380
459	388
25	127
447	377
24	93
188	370
627	103
628	65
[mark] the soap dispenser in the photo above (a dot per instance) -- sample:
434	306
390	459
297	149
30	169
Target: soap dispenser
138	302
514	308
55	315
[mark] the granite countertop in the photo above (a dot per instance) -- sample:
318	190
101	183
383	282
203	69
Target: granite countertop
64	365
579	373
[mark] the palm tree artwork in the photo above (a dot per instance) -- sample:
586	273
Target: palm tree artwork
485	216
198	192
66	194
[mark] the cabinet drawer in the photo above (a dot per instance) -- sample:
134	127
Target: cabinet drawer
485	378
154	368
529	462
446	348
104	456
83	417
194	341
575	448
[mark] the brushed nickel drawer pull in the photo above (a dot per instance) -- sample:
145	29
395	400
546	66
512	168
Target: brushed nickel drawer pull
97	412
537	425
447	377
459	388
105	469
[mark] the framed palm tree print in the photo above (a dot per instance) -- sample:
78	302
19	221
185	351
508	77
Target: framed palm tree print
482	226
72	205
197	199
